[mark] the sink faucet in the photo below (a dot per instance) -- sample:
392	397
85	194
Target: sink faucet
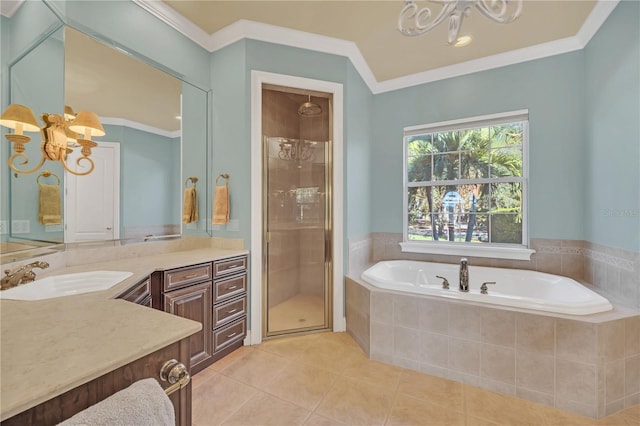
22	275
464	275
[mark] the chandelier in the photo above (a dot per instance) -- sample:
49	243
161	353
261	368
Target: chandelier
60	134
414	21
298	150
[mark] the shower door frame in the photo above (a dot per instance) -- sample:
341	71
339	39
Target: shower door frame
258	79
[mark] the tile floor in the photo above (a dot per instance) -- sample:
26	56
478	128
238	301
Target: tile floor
326	379
298	311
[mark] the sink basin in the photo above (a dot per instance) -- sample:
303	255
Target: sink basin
65	285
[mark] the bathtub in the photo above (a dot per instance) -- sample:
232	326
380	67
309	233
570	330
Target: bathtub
513	287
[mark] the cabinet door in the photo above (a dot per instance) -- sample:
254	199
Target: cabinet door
194	303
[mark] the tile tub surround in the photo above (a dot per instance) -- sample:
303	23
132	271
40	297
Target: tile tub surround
589	366
615	273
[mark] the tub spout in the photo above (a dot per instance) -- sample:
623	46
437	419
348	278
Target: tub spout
464	275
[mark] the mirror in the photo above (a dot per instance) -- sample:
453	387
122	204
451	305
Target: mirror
139	107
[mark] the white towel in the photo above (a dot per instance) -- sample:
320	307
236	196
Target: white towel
144	403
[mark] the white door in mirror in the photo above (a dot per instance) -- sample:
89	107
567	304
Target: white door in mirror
65	285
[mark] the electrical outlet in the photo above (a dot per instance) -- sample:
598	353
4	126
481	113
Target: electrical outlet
4	227
20	226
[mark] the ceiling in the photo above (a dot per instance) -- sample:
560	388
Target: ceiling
372	26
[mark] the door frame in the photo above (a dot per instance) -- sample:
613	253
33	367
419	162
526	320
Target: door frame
258	78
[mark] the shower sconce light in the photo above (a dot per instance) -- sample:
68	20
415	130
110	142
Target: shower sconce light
414	21
297	150
59	135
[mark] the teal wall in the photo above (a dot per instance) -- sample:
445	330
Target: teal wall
231	82
150	188
552	89
612	123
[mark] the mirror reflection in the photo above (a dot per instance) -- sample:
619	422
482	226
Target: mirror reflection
136	189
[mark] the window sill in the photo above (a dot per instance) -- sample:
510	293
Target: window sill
496	252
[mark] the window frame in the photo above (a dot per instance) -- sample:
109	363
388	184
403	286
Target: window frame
493	250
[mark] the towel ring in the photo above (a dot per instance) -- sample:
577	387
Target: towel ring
193	180
46	174
223	176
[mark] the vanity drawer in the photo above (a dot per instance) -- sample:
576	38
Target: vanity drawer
138	293
229	334
225	289
228	311
178	278
229	266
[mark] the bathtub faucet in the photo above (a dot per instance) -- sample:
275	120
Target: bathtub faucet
464	275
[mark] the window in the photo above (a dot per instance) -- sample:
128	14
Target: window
466	187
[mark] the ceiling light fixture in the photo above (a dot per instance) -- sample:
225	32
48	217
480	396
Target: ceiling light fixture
58	136
414	21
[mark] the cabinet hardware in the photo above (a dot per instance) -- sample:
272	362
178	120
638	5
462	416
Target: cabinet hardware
176	374
233	287
231	335
232	311
191	276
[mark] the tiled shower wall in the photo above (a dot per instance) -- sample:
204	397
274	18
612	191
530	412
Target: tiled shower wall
614	272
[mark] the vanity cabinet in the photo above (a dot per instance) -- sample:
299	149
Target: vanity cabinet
186	292
139	293
229	311
62	407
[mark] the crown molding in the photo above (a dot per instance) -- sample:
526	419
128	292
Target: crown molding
9	7
294	38
116	121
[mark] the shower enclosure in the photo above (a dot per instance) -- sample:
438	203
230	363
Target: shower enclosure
297	221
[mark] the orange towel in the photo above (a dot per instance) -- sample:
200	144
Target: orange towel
221	205
49	205
190	206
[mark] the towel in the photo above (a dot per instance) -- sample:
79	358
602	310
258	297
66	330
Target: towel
190	206
221	205
144	403
49	205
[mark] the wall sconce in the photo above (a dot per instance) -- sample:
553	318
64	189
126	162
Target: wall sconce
58	136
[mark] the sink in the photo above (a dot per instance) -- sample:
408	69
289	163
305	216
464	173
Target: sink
65	285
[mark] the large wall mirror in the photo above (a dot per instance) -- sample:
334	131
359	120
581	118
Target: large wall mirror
156	139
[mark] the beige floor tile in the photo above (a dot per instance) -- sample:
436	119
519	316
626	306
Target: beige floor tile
202	377
287	347
234	356
555	417
630	417
375	372
413	411
433	389
301	384
257	368
475	421
264	409
356	402
217	398
318	420
501	409
331	354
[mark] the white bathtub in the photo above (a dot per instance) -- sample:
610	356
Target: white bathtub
514	287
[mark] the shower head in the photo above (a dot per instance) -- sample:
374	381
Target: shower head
309	108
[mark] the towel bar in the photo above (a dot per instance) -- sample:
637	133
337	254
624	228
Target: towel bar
46	174
193	180
223	176
176	374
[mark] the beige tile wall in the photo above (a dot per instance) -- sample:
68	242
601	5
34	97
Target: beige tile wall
592	369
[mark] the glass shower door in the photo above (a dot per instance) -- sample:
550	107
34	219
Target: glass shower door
298	235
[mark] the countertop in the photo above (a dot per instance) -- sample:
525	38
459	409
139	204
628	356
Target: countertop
48	347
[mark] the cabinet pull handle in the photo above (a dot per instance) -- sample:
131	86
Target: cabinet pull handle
232	311
231	266
191	275
233	287
176	374
231	335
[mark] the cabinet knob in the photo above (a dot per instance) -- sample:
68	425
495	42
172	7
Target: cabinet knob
108	228
176	374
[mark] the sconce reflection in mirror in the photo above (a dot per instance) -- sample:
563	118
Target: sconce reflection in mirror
59	136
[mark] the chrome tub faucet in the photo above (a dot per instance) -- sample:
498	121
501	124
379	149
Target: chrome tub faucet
22	275
464	275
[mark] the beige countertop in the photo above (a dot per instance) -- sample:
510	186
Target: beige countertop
48	347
